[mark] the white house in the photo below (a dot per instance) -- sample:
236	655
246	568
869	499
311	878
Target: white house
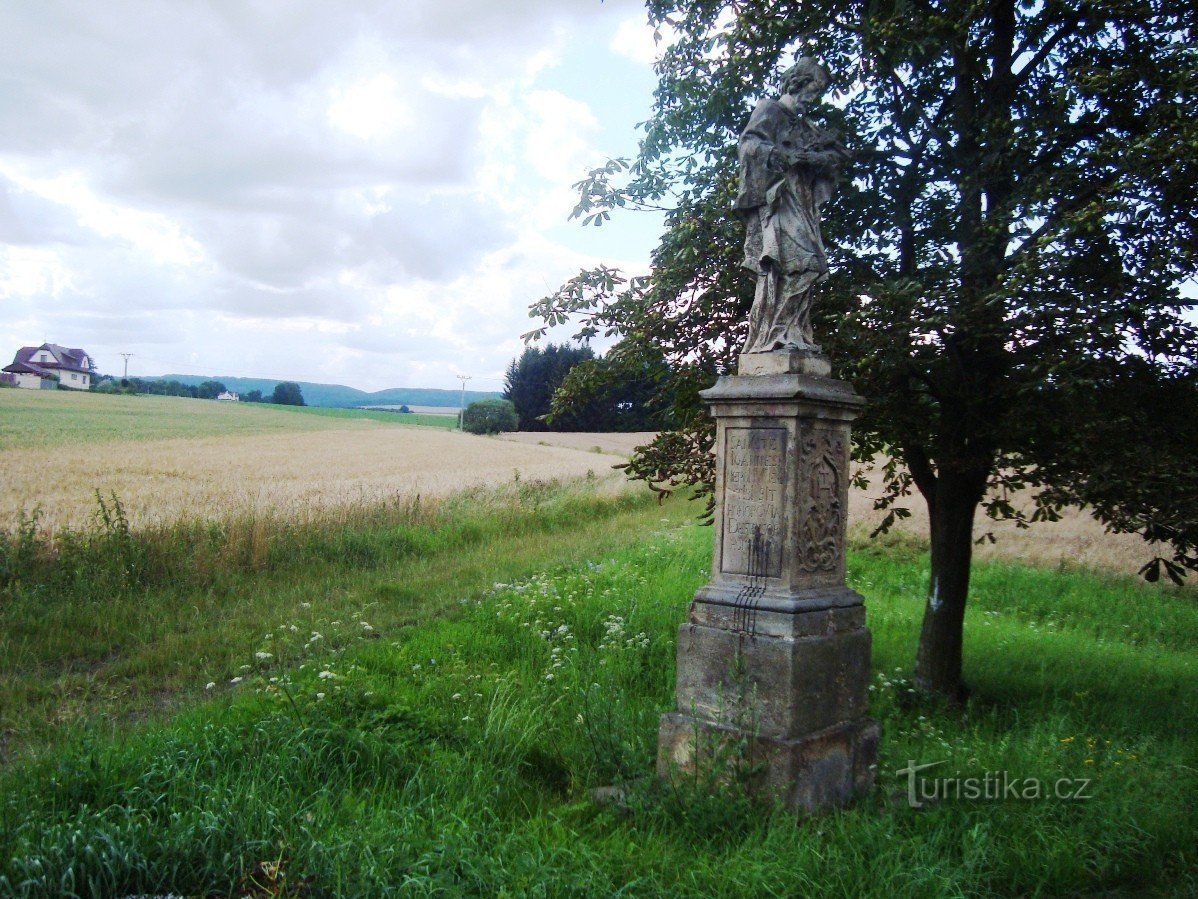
229	397
49	365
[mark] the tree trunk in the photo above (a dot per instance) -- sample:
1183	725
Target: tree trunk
938	661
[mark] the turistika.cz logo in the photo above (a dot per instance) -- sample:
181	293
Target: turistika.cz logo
992	786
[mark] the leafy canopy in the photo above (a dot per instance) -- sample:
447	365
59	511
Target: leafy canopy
287	393
490	416
1008	245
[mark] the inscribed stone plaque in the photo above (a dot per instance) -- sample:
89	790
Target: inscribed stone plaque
754	487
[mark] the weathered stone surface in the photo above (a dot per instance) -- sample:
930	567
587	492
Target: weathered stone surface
781	479
784	362
773	663
788	169
777	686
818	771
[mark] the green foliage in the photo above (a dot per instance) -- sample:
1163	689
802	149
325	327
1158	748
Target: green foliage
209	390
532	378
1008	242
624	390
490	417
341	397
99	624
287	393
567	388
458	756
160	387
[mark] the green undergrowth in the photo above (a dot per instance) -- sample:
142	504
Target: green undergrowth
113	623
456	754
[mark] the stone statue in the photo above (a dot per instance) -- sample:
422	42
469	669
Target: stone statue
788	170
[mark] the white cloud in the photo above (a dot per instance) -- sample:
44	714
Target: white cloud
359	191
634	40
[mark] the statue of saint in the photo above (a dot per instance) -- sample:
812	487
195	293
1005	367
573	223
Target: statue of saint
787	171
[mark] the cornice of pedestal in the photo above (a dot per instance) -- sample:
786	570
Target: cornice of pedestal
750	391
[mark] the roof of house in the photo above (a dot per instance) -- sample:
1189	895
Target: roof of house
25	368
65	359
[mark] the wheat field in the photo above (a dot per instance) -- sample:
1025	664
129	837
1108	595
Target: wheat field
169	457
58	449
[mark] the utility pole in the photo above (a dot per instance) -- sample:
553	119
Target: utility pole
125	377
462	404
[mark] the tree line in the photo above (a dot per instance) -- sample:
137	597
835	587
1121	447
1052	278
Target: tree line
567	387
286	393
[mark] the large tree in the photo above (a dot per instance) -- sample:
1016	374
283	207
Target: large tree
533	377
1007	248
287	393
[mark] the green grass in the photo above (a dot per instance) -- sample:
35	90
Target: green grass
109	624
41	419
507	668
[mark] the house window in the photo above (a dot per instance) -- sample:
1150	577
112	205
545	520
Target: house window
74	377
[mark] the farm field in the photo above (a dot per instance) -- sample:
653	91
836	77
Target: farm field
164	457
616	444
1076	541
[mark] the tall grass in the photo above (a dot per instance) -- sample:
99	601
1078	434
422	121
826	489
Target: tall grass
114	623
108	559
458	756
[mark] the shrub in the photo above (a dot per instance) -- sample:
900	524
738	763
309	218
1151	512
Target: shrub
489	417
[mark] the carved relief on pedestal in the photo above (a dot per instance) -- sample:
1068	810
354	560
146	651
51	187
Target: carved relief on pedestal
754	475
821	474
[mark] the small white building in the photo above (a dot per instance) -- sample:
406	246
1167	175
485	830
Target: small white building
49	365
229	397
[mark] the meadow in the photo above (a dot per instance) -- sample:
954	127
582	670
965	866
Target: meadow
428	714
419	695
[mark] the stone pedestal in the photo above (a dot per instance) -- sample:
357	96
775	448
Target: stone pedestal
773	663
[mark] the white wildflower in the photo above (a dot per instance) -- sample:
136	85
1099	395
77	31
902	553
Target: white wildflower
210	685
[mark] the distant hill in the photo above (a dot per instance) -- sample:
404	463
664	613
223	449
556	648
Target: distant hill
339	396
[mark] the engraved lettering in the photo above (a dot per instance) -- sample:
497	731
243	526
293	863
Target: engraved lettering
754	487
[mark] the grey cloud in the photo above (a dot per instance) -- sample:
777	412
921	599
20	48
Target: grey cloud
439	237
333	303
26	218
120	329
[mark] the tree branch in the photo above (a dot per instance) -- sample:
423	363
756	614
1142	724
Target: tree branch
1067	29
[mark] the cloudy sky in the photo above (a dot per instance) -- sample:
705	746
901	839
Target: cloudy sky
366	193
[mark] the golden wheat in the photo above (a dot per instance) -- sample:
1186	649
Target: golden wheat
228	461
620	445
160	481
1077	540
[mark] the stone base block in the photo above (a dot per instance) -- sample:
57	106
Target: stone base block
818	771
784	362
777	687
